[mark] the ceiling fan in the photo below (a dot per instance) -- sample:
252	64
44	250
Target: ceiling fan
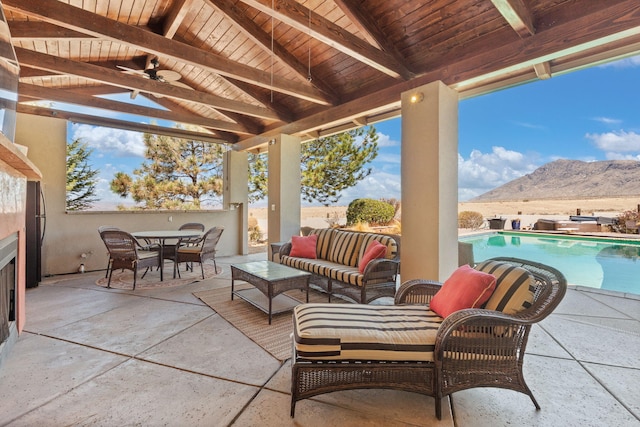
152	72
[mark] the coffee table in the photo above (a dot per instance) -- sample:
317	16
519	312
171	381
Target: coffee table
271	279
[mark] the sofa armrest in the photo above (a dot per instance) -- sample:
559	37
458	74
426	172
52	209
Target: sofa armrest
285	250
380	269
417	291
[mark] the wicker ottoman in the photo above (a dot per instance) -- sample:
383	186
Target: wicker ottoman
343	347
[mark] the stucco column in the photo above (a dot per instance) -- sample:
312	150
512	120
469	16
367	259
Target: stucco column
236	193
429	182
284	188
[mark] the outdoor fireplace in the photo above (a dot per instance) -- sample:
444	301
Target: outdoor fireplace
8	270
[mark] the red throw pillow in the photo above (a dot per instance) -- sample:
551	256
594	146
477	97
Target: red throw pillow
304	246
466	288
374	250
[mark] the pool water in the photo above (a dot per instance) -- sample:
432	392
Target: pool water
598	263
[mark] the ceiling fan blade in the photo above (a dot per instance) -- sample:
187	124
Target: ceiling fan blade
169	75
180	84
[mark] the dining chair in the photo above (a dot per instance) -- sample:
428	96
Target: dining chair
169	251
127	253
100	230
198	250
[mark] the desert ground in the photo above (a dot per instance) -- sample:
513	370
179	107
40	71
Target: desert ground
528	211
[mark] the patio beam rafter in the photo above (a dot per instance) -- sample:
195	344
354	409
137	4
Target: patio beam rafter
517	15
117	78
121	124
304	20
43	93
80	20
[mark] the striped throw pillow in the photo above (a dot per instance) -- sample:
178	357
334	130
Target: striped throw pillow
515	287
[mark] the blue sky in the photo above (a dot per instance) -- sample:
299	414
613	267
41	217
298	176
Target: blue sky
592	114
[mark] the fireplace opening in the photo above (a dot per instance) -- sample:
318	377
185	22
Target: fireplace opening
8	270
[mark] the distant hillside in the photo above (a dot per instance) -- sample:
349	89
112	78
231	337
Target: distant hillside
571	179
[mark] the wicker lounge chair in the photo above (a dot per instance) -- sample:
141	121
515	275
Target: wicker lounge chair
126	252
472	347
198	250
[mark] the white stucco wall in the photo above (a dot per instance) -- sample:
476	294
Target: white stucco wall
68	235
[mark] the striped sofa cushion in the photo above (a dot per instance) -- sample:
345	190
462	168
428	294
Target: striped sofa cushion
345	248
515	287
365	332
323	246
388	241
320	267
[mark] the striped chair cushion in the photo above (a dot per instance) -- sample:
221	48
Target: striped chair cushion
323	246
389	242
515	288
365	332
345	248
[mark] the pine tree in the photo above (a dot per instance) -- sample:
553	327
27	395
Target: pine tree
178	174
329	165
81	178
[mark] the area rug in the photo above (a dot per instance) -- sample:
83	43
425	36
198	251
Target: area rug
274	338
124	279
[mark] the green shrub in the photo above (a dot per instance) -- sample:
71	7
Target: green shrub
374	212
470	219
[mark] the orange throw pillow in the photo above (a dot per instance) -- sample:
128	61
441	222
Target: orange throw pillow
304	246
374	250
466	288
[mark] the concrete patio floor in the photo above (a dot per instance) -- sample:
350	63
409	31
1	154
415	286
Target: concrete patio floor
107	357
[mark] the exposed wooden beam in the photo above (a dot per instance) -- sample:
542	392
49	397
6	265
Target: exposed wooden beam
56	12
263	40
37	30
543	70
517	15
120	124
302	19
116	78
353	11
369	27
69	97
174	18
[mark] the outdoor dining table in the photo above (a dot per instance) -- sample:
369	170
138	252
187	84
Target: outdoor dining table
163	235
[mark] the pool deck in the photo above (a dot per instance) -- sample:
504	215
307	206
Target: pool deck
107	357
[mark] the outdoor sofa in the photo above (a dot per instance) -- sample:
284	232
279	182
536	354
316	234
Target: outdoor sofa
340	264
409	346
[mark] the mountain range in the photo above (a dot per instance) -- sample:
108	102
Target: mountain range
563	179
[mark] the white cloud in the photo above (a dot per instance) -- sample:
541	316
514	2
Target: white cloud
616	142
116	142
634	61
482	172
386	141
378	185
530	125
607	120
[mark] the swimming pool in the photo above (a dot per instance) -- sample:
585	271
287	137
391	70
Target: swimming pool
598	263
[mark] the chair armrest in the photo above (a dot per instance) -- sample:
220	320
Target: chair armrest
417	291
491	334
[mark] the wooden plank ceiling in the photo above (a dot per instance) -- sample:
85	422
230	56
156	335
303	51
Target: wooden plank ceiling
241	71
